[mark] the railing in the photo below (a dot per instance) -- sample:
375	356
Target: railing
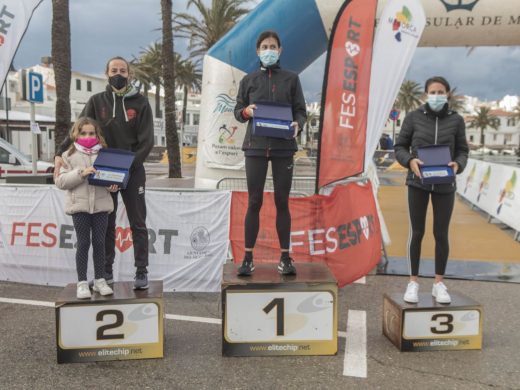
513	161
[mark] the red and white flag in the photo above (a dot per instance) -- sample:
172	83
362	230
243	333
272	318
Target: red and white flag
14	19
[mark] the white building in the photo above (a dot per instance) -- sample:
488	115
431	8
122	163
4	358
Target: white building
81	88
507	136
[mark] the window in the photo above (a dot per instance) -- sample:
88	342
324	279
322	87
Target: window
4	156
196	118
78	85
163	140
12	86
511	122
398	122
89	86
508	137
471	138
495	137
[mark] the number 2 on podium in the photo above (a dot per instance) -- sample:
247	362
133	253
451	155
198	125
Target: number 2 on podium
100	334
279	303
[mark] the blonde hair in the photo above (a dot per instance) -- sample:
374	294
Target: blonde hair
76	129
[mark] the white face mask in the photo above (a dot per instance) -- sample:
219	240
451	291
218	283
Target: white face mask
269	57
437	102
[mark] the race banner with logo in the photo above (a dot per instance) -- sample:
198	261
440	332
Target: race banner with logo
348	239
494	188
188	238
343	118
397	35
14	19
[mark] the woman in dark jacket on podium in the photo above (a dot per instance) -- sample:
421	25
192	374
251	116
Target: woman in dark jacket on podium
269	84
431	124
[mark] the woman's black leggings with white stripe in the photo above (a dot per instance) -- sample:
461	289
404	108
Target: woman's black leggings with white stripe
442	209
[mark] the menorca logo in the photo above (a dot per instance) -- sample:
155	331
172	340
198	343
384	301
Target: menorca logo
452	5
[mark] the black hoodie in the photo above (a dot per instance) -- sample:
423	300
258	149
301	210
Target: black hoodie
275	85
126	121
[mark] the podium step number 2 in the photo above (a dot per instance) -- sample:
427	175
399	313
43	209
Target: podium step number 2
127	325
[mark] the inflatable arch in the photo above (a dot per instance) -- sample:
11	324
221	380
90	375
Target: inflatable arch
304	27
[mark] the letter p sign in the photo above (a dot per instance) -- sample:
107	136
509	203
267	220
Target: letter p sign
34	87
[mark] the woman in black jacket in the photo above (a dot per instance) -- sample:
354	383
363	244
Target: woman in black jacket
431	124
269	84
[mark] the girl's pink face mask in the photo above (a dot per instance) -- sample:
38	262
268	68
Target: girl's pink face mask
87	142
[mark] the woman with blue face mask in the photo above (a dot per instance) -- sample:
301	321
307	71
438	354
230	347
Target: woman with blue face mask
434	123
270	83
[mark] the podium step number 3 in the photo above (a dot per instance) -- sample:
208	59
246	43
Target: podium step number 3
429	326
127	325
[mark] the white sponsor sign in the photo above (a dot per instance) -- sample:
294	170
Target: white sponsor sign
436	324
494	188
188	238
101	174
107	325
14	18
279	316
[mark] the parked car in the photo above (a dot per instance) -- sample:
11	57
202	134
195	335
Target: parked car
14	162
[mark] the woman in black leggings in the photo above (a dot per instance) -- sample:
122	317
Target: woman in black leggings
431	124
270	83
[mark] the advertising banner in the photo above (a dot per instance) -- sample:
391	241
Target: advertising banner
324	228
494	188
344	108
188	237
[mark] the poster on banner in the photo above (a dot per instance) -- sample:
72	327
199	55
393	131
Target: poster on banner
188	237
397	35
223	134
14	19
348	239
494	188
343	117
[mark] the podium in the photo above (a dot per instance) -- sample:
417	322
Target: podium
126	325
268	314
430	326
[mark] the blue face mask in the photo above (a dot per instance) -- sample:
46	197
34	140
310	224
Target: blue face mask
269	57
437	102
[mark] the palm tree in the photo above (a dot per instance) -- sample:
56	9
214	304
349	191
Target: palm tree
189	78
168	76
62	67
456	102
409	96
150	61
483	120
140	72
216	21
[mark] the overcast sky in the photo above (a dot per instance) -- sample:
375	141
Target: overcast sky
104	28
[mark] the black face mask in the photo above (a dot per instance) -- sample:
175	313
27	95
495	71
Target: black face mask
117	81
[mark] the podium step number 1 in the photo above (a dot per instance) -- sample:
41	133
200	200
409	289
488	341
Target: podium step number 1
268	314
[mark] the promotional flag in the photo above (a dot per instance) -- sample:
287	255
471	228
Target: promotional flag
344	108
14	19
347	239
397	35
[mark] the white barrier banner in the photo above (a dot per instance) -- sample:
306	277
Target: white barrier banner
494	188
188	238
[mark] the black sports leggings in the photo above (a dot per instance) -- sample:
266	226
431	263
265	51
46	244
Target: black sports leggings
442	209
86	225
256	171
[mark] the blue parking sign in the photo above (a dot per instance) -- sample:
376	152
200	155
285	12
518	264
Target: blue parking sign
34	87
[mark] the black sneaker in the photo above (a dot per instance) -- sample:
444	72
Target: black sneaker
141	280
286	267
246	269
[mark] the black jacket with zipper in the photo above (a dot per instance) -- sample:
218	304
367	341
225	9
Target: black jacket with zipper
424	127
126	121
270	84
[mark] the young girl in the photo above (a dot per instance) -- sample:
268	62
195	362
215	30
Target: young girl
88	205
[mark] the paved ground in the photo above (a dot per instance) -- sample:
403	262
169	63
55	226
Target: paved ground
193	350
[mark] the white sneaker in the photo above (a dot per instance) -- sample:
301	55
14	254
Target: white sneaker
101	286
412	293
440	292
83	292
